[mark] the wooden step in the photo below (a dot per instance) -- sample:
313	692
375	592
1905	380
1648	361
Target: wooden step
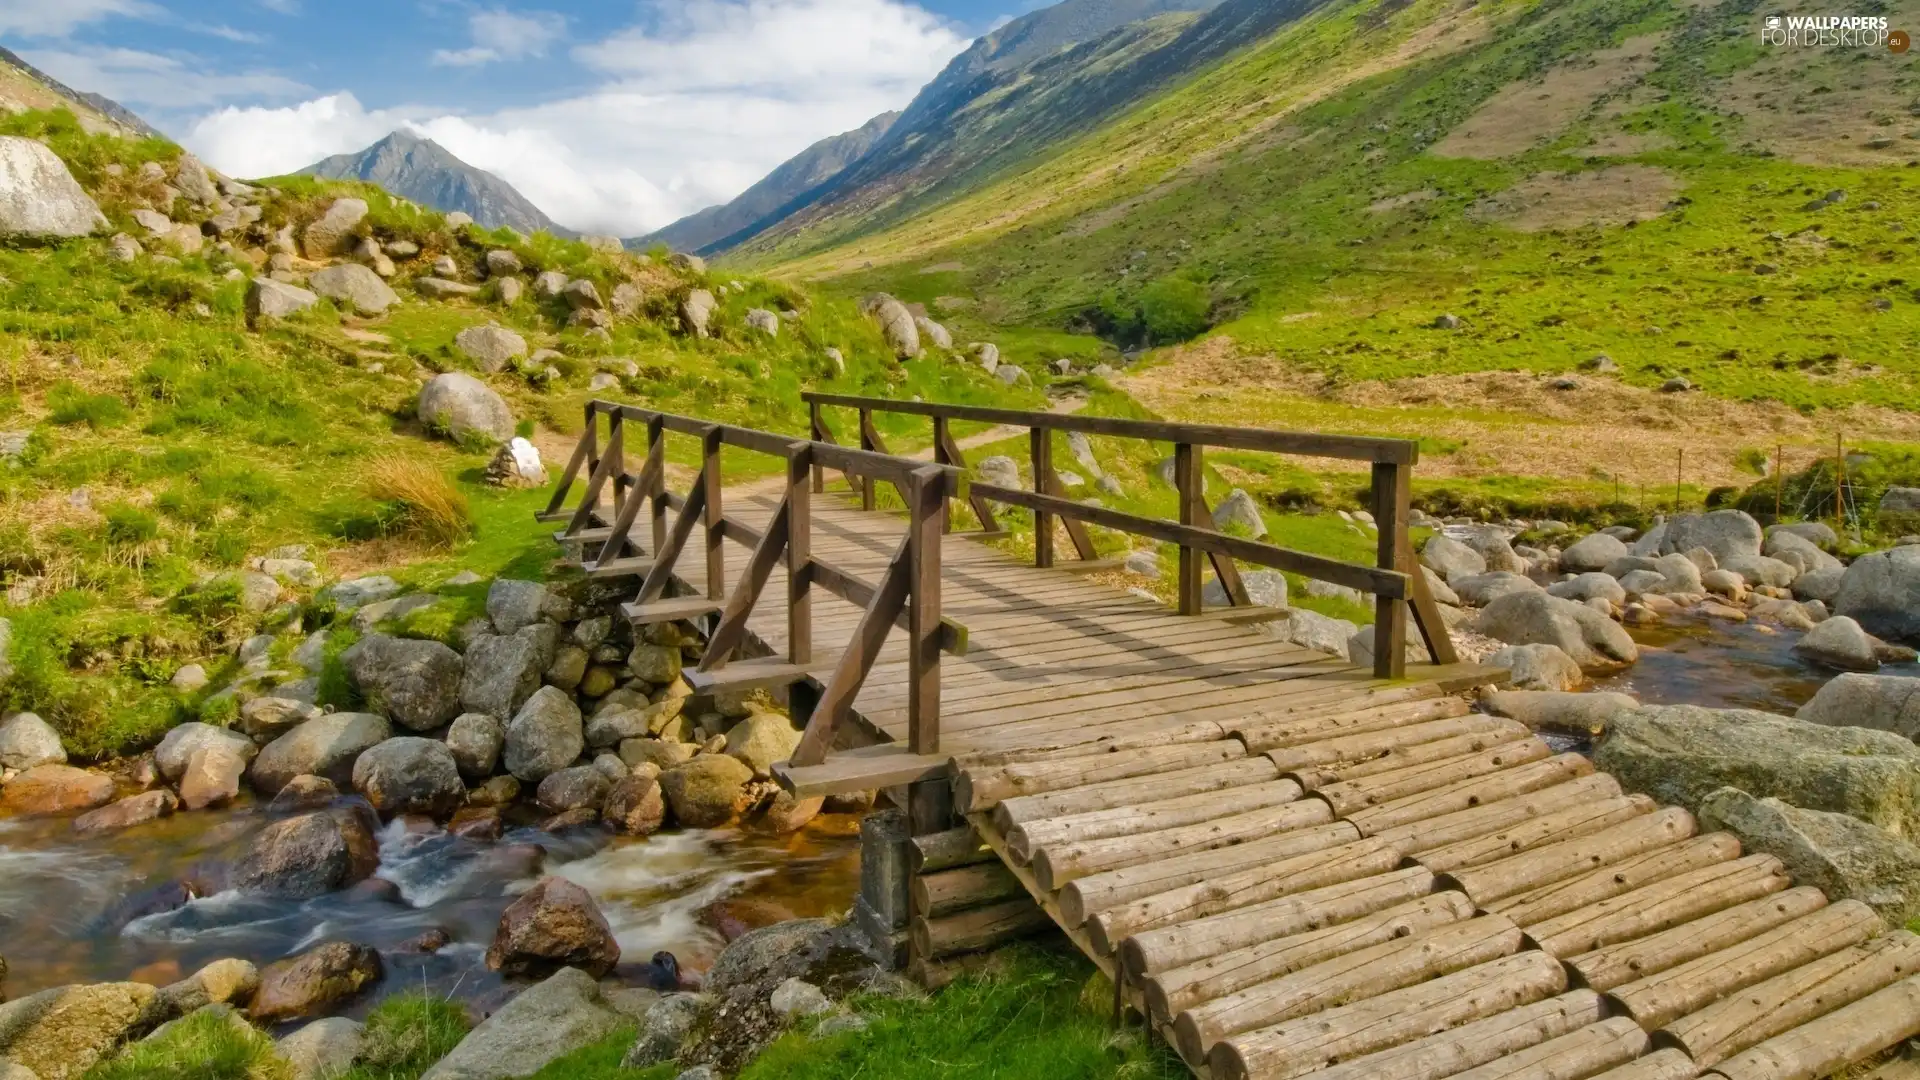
672	609
866	769
760	674
626	566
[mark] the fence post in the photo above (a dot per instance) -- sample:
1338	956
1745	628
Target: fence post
1392	506
941	435
656	459
1188	485
799	567
1042	453
926	491
711	514
866	443
817	432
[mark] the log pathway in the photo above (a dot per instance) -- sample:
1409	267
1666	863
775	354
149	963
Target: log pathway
1288	866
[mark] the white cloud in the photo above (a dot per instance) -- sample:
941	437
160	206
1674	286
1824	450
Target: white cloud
57	18
283	7
694	109
228	33
133	77
505	35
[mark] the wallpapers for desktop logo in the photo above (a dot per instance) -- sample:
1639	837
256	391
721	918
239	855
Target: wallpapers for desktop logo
1833	32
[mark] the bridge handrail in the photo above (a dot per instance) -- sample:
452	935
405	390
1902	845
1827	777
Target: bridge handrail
1395	581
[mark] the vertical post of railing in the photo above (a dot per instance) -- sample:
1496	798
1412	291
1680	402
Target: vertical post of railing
657	465
799	566
1392	505
817	429
866	443
593	438
1188	482
1041	446
711	514
926	494
940	456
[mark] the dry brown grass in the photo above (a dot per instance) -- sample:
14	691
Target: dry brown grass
1527	113
1614	195
426	507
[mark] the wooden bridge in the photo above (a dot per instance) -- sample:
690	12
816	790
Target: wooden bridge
1288	865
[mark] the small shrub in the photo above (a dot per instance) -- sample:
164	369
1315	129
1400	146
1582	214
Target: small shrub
406	1034
419	502
67	404
333	687
128	524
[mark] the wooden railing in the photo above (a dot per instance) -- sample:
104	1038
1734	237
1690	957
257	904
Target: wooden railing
1393	580
907	597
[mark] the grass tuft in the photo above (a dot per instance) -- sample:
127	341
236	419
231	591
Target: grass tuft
203	1046
421	504
406	1034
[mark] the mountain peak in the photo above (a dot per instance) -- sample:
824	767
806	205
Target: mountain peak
417	168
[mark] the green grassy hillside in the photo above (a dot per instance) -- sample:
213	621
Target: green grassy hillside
166	444
1634	178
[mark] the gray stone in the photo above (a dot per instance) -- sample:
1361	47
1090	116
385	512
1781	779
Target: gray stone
394	610
1884	702
764	321
413	681
39	198
354	285
1899	503
299	573
1838	643
1822	585
188	679
896	325
1682	753
325	747
1537	667
1000	471
512	604
696	312
439	288
582	294
932	332
1144	563
264	719
124	248
461	406
1724	583
1480	590
544	736
798	997
268	299
26	741
1450	558
1818	533
59	1034
582	787
410	775
503	670
1265	588
1881	592
1726	533
323	1049
707	791
1761	570
311	855
1312	630
332	233
1842	856
656	664
1239	515
346	596
1551	710
546	1021
666	1027
612	726
491	347
501	261
1588	586
1681	574
475	740
177	747
761	740
1533	618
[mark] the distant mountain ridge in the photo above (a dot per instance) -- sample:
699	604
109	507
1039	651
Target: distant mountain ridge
423	171
27	87
795	177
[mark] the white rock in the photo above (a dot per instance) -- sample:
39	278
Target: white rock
39	197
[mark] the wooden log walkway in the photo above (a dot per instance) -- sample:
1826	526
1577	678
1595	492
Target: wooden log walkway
1290	866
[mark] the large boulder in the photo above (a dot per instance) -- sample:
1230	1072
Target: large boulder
615	725
581	787
183	741
267	718
933	333
1900	509
553	925
1450	558
706	792
356	593
1312	630
1842	856
1239	515
1591	553
213	776
544	736
896	325
410	775
1594	641
1589	585
315	982
1480	590
323	1049
475	740
664	1029
128	812
1683	753
59	1034
325	747
311	855
1729	534
56	789
1884	702
332	233
761	740
696	312
512	604
636	805
414	681
546	1021
462	406
1881	591
1550	710
754	954
503	670
1537	667
1805	555
1838	643
268	300
491	347
355	286
39	198
26	742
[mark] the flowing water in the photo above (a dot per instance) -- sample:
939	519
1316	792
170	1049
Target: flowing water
113	907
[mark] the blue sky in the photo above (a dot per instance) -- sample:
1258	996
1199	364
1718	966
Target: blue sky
613	117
